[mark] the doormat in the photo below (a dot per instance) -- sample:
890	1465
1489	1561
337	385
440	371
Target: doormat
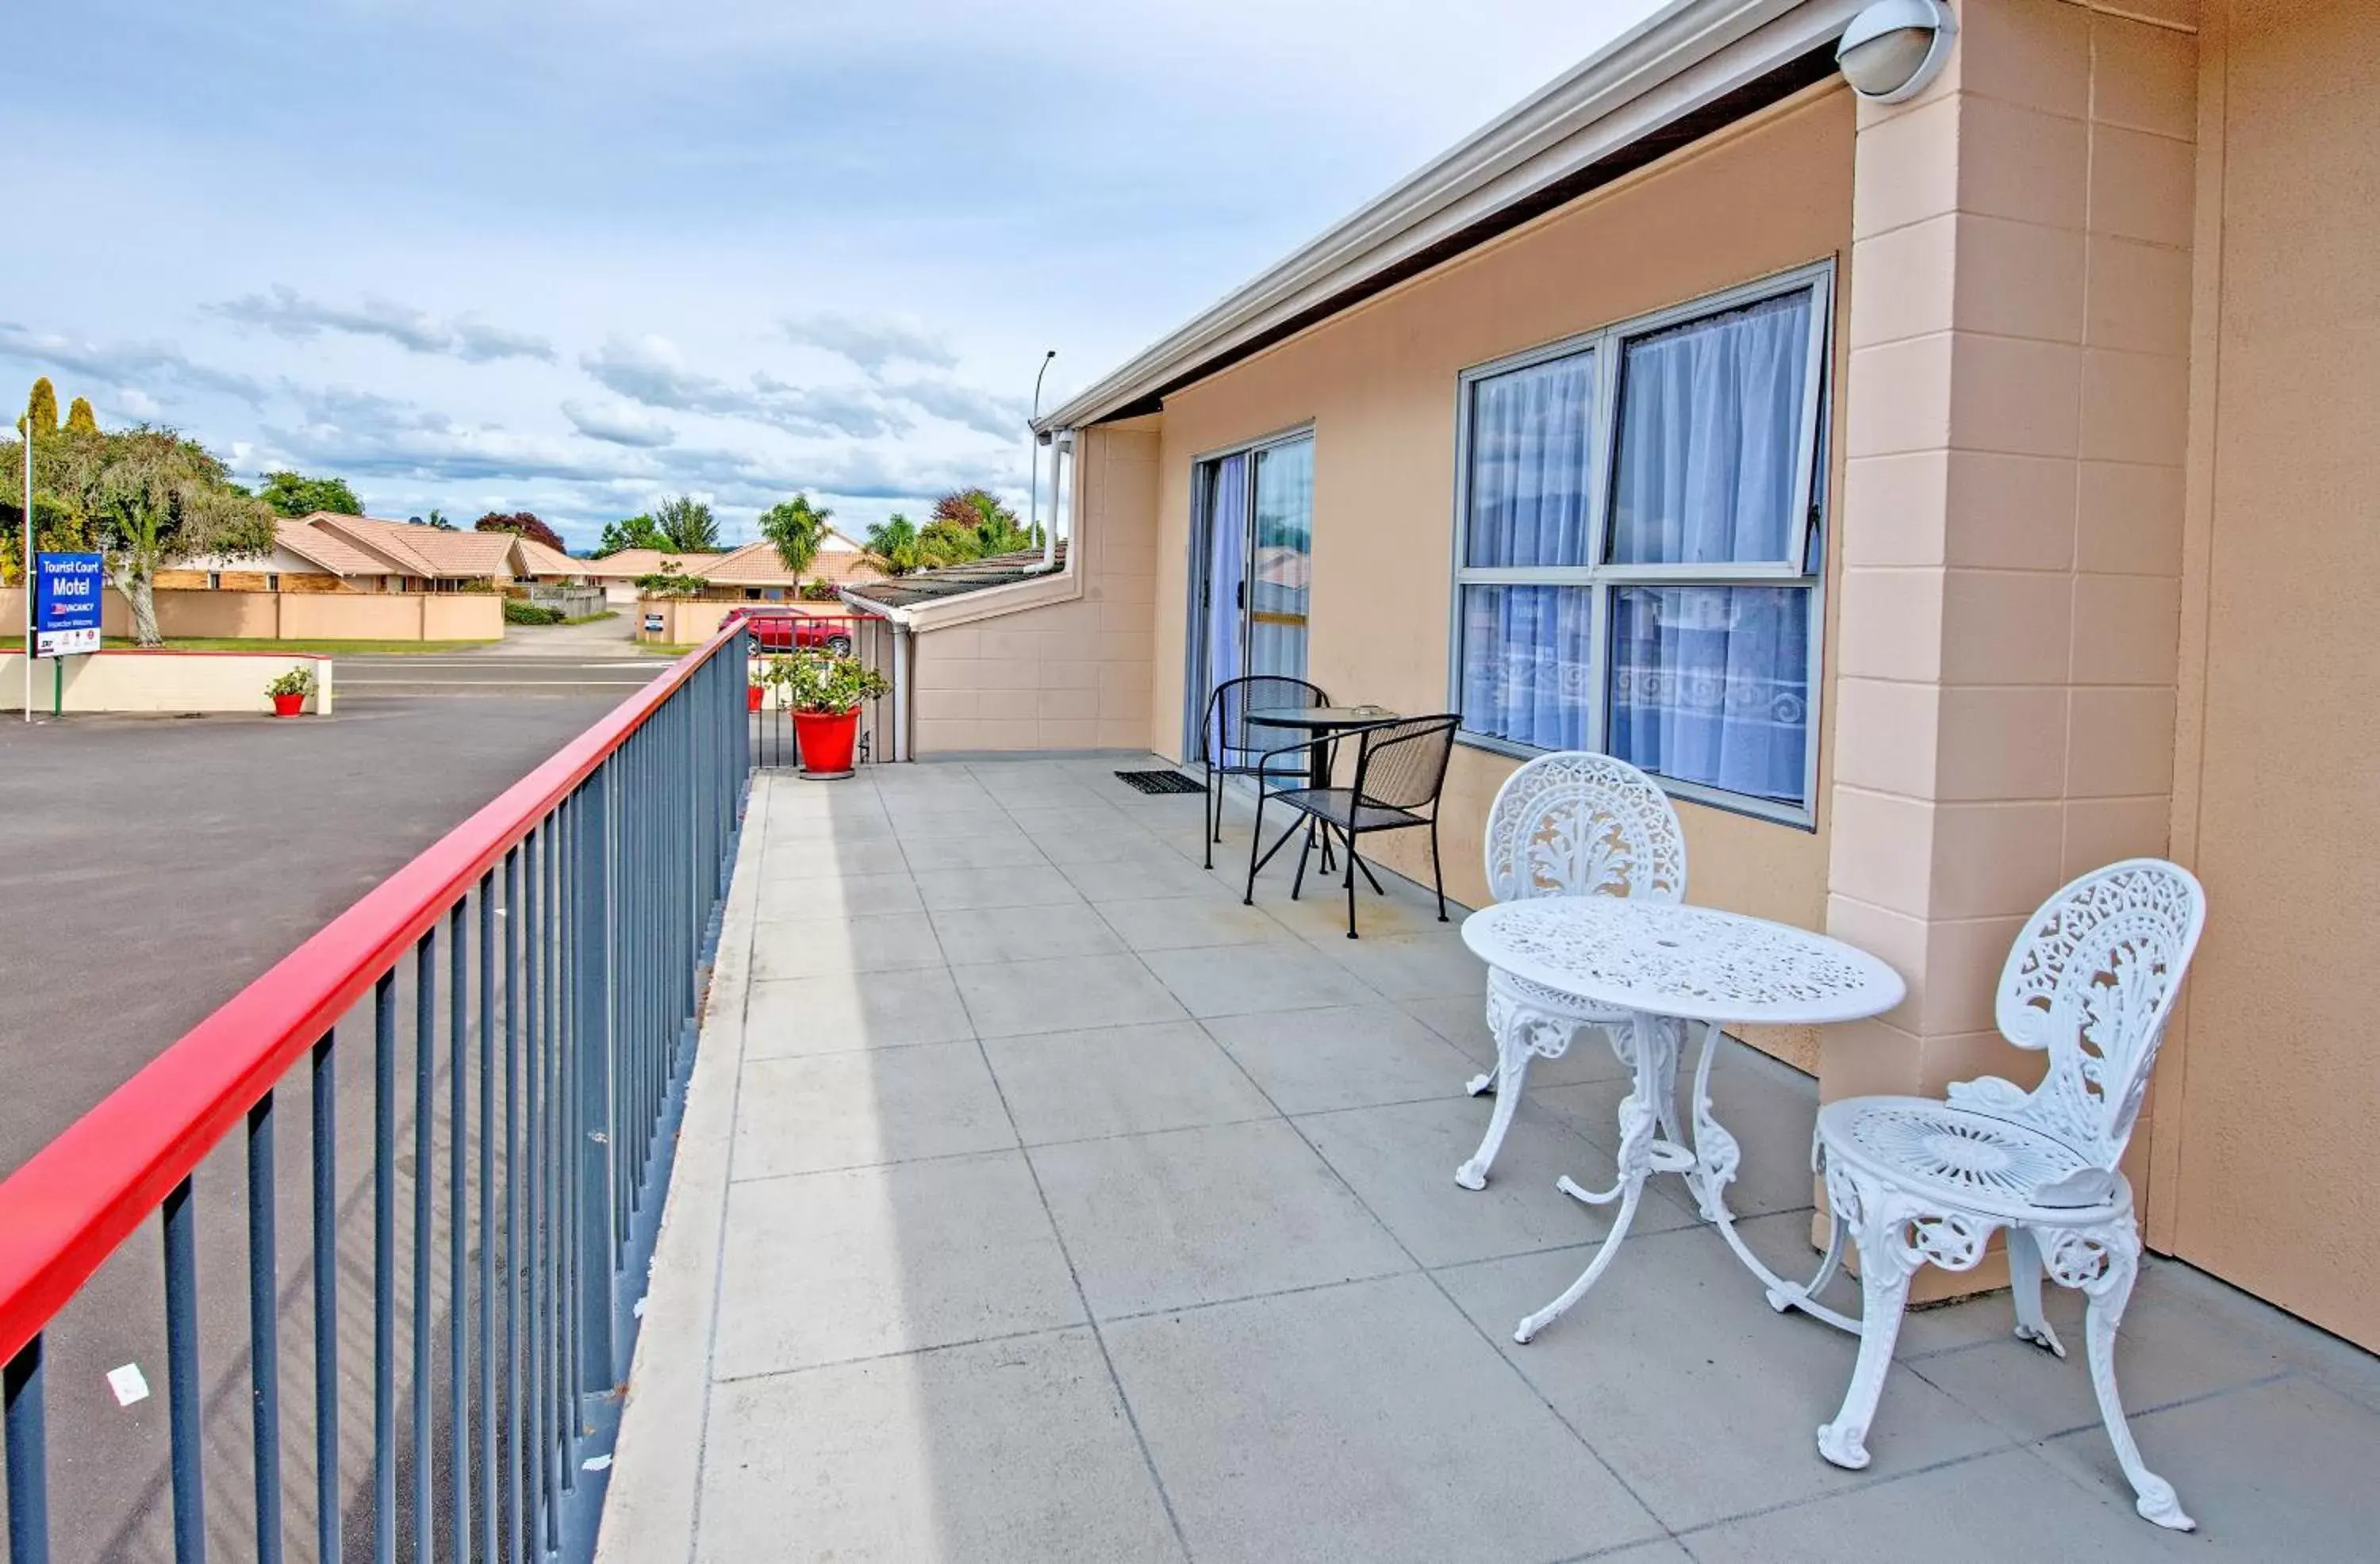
1162	781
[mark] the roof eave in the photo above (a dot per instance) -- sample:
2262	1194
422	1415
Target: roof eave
1679	60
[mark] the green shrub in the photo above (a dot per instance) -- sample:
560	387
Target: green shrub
517	612
297	681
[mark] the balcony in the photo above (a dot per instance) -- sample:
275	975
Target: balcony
1021	1195
1037	1200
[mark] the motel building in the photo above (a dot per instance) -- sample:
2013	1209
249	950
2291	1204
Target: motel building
1941	497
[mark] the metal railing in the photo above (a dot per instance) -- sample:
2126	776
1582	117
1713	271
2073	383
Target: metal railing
523	995
775	744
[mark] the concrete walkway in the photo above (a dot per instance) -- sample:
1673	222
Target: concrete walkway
1040	1202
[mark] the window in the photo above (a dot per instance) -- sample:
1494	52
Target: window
273	580
1636	553
214	580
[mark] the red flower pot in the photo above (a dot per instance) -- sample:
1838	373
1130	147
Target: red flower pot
288	705
827	740
755	692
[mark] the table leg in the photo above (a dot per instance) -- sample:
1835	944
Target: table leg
1653	1054
1317	776
1716	1158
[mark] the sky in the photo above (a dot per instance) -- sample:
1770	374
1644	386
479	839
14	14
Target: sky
574	255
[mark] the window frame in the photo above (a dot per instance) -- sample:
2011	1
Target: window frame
1802	567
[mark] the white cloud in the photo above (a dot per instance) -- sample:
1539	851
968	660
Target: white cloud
146	367
873	345
287	313
618	423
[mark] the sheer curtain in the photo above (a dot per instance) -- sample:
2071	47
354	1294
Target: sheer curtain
1227	550
1527	648
1711	437
1529	434
1526	653
1711	684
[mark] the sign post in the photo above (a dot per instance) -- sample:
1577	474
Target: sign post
65	614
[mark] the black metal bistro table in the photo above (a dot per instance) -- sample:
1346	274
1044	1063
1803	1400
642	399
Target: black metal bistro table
1325	723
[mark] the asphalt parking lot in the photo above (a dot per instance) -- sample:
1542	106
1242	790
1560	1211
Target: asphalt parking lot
149	869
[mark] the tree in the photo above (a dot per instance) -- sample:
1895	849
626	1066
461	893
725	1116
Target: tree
996	528
80	419
525	524
797	527
686	525
945	543
41	410
893	541
293	493
437	519
635	532
147	497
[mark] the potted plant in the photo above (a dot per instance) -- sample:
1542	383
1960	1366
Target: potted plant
826	690
762	671
290	690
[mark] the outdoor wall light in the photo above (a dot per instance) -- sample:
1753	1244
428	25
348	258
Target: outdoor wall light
1893	48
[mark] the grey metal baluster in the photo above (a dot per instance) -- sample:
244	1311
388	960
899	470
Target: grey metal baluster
385	1268
458	1235
28	1457
323	1092
539	1104
512	1442
425	1120
591	1361
487	1442
188	1417
263	1333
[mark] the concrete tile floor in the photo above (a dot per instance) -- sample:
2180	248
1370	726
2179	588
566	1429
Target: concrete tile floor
1038	1201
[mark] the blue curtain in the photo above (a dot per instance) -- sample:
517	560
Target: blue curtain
1711	684
1711	437
1227	550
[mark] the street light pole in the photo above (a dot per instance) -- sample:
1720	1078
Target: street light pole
1033	463
27	572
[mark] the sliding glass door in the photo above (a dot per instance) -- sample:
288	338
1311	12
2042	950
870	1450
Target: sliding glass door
1254	528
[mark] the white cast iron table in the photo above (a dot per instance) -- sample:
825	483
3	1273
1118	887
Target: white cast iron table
1661	962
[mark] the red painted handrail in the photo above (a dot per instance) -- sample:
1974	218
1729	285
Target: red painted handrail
64	1212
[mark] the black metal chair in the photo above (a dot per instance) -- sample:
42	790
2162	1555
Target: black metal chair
1229	748
1400	772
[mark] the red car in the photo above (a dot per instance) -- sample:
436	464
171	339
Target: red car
783	629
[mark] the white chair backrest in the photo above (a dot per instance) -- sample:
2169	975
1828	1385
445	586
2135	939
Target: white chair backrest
1576	824
2092	978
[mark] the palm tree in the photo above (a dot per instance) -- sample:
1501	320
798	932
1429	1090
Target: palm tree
893	541
797	527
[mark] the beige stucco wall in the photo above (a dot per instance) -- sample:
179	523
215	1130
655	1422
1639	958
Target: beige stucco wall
299	617
1378	385
2269	1086
1071	673
126	680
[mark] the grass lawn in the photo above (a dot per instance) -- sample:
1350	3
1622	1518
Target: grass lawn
591	618
328	649
663	648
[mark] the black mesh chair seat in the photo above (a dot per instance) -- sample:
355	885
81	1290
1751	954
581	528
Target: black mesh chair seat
1400	772
1338	807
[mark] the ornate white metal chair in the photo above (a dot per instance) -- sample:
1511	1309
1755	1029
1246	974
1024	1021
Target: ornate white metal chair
2092	980
1567	824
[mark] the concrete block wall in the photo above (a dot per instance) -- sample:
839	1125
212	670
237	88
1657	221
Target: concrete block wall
2012	518
1064	675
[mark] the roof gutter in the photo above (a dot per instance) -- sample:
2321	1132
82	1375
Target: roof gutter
1683	59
